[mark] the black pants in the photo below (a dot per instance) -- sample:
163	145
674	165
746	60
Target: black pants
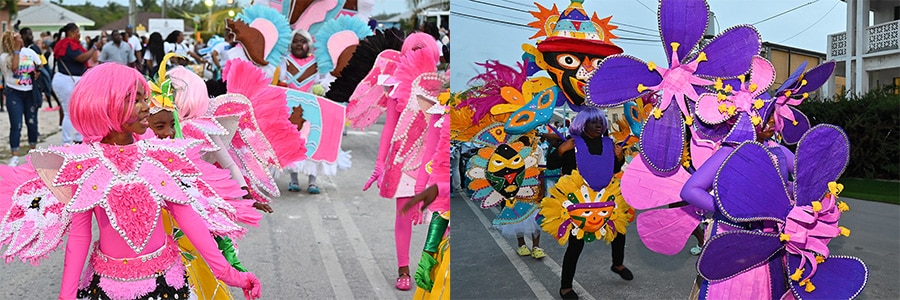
573	252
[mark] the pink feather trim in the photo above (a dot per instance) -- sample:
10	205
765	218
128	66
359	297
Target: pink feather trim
245	213
10	179
495	77
269	105
411	65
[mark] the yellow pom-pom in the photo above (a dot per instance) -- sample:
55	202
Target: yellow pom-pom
701	57
755	120
784	237
805	95
816	206
797	274
844	231
657	113
787	93
723	108
803	82
721	97
732	110
641	88
753	87
835	188
809	286
651	66
689	120
758	103
675	46
842	206
794	123
742	78
820	259
718	84
728	88
318	90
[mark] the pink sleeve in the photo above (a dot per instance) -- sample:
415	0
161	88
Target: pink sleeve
390	124
197	232
77	247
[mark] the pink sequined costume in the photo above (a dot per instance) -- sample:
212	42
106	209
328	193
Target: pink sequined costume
399	154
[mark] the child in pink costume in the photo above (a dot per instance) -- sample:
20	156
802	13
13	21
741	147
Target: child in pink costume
124	184
399	154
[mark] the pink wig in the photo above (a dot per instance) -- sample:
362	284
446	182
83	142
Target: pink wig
103	100
191	96
421	40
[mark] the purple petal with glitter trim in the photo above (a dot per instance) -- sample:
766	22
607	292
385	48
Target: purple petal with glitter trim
822	155
665	231
791	133
838	277
735	252
711	132
663	139
682	21
741	131
730	53
617	78
749	188
816	77
793	78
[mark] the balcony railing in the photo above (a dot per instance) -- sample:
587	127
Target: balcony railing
881	37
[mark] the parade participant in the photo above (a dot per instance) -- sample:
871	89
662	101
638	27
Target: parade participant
71	59
21	67
71	185
589	145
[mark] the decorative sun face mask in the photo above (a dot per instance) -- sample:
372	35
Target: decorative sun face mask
575	209
505	170
576	43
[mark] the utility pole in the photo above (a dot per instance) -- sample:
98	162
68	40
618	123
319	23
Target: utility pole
164	9
132	8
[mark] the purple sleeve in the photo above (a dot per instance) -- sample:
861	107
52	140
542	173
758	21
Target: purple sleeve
696	189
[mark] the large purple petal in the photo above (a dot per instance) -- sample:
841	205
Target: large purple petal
711	132
749	188
662	140
665	231
793	78
741	131
729	54
822	155
616	80
684	22
838	277
734	252
816	77
792	133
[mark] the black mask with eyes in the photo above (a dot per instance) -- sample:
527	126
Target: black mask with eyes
570	71
506	171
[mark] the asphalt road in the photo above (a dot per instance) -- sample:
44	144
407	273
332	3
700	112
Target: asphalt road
486	266
335	245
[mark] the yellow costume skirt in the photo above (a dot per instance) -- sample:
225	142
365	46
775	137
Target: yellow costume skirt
440	274
203	283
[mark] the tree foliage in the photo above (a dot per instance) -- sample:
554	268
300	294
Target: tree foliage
872	122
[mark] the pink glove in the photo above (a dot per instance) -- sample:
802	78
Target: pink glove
377	175
244	280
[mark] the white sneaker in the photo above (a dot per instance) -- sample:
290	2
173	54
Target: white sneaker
14	161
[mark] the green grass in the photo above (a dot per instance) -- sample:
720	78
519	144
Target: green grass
871	189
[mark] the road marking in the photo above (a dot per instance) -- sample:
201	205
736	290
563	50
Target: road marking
557	269
539	290
329	256
359	245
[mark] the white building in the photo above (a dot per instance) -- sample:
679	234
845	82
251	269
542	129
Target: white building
868	53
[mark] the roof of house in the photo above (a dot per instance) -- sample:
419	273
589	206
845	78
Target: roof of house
49	14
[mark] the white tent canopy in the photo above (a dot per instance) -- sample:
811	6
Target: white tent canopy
50	15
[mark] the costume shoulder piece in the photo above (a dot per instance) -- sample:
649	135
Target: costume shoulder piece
363	61
575	209
505	168
130	183
263	32
326	124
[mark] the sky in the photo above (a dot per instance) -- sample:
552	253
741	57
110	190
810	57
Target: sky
388	6
477	40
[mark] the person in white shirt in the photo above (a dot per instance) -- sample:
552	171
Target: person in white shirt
135	43
117	51
20	67
175	44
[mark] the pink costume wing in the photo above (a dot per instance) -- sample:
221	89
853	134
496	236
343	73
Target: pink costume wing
229	201
249	145
665	231
643	189
268	107
367	101
203	129
33	220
